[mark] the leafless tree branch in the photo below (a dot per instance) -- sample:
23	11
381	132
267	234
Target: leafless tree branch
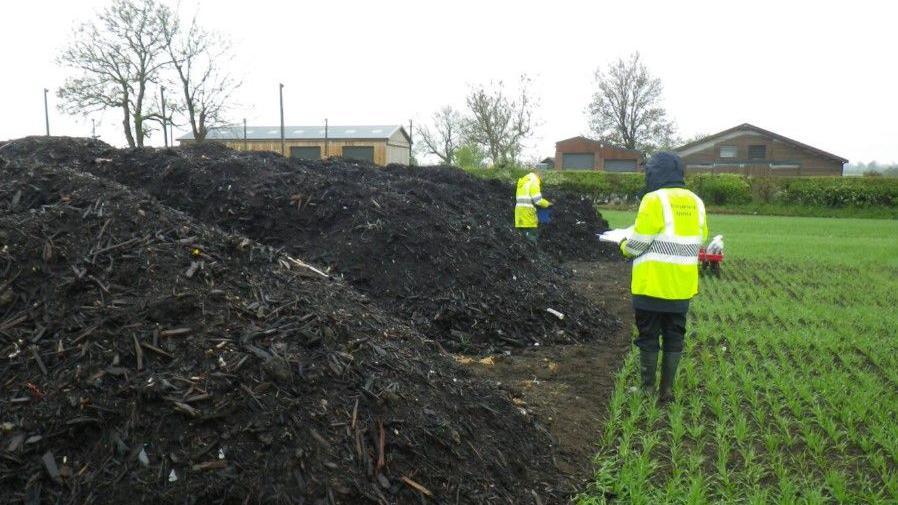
444	136
197	56
626	108
500	123
118	57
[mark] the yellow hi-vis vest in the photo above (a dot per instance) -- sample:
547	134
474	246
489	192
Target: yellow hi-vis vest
670	228
527	197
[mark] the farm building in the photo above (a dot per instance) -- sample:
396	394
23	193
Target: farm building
581	153
749	150
378	144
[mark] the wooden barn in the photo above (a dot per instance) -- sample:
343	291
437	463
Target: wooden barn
749	150
581	153
380	145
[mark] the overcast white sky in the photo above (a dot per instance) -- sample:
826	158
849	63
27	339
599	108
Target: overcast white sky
824	73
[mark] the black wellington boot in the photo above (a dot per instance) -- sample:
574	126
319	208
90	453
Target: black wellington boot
669	363
648	368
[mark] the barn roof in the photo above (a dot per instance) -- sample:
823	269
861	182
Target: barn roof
699	144
313	132
598	143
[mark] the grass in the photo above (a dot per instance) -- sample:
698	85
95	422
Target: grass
788	392
791	210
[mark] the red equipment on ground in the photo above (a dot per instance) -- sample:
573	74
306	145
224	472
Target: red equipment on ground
710	261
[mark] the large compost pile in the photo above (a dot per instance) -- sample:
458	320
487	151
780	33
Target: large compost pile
149	357
434	246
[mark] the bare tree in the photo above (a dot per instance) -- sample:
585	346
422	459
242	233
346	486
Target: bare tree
445	135
626	109
500	123
197	56
119	57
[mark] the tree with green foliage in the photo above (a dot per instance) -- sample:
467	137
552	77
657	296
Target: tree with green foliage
470	156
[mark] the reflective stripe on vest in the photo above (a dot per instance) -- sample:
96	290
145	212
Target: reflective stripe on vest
527	201
667	247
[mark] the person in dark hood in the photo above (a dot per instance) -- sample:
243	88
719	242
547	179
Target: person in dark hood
664	170
670	228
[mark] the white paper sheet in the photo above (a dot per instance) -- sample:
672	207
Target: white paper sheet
617	235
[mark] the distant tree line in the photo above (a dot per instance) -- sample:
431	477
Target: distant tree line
872	169
494	125
133	48
625	110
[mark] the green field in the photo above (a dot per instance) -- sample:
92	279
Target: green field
788	391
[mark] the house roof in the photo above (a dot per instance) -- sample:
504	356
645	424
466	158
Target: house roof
314	132
598	143
750	127
579	137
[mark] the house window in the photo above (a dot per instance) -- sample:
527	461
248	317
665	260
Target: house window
757	152
727	151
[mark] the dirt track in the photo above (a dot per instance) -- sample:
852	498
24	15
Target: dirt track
568	387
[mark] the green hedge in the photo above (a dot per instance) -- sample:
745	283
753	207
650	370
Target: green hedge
726	189
601	185
841	192
721	189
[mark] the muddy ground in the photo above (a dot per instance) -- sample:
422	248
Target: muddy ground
568	387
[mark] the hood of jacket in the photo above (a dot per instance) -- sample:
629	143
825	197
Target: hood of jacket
664	170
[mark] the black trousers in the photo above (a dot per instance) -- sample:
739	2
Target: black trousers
669	325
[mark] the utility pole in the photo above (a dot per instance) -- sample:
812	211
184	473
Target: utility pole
245	145
46	112
164	121
326	153
282	119
410	142
93	128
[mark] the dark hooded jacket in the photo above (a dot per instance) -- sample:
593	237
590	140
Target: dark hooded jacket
664	170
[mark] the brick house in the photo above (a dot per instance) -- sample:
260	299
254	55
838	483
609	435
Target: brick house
749	150
581	153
